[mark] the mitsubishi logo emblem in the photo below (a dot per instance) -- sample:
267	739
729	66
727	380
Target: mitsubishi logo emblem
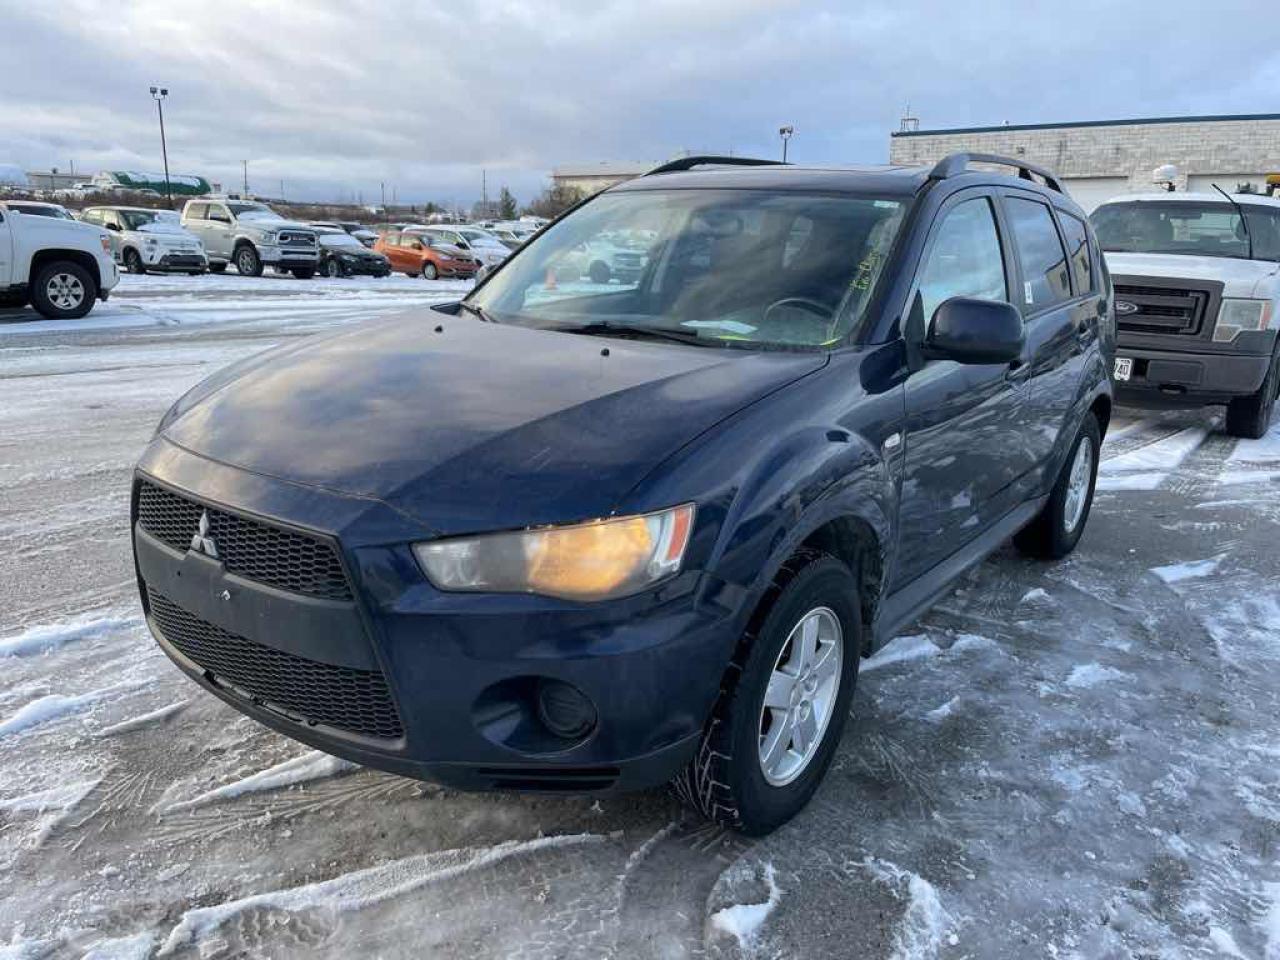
202	542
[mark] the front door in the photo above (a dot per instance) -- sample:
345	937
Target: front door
216	231
1061	310
964	422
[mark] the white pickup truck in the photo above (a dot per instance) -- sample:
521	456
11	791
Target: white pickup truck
58	265
1197	301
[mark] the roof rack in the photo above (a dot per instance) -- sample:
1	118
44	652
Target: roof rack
955	164
688	163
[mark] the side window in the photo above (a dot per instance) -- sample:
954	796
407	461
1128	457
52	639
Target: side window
391	240
198	211
91	216
1078	252
1045	279
217	211
964	260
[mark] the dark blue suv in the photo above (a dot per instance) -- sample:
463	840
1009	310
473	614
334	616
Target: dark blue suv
588	533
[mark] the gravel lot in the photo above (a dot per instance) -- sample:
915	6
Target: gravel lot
1068	760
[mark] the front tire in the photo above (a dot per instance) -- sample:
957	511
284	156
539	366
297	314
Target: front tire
248	262
783	703
429	271
64	291
1250	417
1056	529
332	268
133	261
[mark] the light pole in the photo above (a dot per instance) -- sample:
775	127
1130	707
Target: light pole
158	94
785	133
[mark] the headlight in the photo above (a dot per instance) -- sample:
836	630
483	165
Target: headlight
106	243
151	241
1236	316
587	561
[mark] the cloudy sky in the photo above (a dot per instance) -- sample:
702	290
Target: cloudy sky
333	96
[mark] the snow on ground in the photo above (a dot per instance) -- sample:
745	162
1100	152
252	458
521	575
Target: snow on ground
1061	760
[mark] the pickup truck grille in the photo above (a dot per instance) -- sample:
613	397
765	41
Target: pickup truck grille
297	239
1169	310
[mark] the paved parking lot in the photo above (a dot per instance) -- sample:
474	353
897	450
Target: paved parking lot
1066	760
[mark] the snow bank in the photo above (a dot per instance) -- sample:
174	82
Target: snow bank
924	921
744	920
1176	572
51	636
57	705
365	888
136	947
142	720
313	765
900	649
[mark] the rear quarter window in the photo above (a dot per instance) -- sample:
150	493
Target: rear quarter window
1078	251
1045	271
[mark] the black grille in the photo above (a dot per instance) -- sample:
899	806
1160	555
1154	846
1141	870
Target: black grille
257	551
341	697
1162	309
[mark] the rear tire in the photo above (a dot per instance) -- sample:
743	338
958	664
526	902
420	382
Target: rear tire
248	262
1250	417
1056	529
727	781
63	291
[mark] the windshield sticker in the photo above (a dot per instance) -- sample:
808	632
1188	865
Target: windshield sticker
730	326
866	270
1026	293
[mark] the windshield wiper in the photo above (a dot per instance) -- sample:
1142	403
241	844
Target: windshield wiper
603	328
476	311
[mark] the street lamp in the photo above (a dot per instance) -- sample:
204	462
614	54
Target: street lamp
785	133
158	94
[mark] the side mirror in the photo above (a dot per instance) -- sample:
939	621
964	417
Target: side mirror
969	330
463	245
418	245
113	226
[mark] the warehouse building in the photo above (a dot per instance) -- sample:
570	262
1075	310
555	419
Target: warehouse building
1098	159
590	178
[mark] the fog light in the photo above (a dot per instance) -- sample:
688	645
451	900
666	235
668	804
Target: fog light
565	710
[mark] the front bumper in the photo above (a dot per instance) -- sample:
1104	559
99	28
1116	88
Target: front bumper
179	262
455	666
1176	378
289	256
458	269
365	267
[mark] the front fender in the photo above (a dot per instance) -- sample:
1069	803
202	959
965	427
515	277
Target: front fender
808	479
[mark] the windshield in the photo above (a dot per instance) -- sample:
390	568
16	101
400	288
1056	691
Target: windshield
51	210
729	267
1205	229
133	219
255	210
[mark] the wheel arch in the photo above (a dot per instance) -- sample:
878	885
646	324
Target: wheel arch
42	259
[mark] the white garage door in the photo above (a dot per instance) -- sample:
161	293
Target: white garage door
1089	192
1203	182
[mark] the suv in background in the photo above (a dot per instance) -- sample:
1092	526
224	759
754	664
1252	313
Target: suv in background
592	538
251	235
145	239
421	255
1197	283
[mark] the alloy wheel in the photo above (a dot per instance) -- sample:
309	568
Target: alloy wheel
65	291
800	697
1078	485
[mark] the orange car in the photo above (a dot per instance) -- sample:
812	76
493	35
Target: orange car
422	256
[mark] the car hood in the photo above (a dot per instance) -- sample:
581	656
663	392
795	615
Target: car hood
477	426
1240	278
275	223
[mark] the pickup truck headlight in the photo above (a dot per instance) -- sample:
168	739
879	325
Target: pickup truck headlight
1236	316
587	561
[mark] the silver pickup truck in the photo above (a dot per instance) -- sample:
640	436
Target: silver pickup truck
252	236
1197	284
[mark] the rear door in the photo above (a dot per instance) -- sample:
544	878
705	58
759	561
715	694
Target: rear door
964	424
1060	312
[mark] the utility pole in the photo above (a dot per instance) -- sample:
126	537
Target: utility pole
785	133
158	94
282	191
245	188
484	188
382	193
